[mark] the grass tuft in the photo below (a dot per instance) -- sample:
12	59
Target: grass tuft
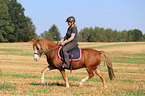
1	73
7	86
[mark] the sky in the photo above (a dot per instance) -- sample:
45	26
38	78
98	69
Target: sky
115	14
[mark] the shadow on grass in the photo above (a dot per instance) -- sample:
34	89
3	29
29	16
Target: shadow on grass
53	84
49	84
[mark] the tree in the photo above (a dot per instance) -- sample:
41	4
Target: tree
28	31
123	36
102	35
53	31
24	29
52	34
96	33
115	36
44	35
144	37
137	35
6	26
109	33
90	35
83	34
16	12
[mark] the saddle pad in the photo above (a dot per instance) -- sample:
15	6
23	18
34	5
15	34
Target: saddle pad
77	54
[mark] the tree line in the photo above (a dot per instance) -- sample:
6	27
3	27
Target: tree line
97	35
14	25
108	35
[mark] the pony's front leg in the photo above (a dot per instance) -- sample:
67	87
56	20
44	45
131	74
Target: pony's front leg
43	71
64	77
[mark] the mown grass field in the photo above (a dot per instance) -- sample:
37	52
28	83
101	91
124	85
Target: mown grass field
20	74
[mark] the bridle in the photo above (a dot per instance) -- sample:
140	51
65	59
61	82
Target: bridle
42	49
38	49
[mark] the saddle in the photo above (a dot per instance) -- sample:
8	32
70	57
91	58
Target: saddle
74	55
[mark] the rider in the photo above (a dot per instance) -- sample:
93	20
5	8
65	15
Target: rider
71	40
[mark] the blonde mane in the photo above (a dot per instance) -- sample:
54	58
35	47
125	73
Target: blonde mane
46	44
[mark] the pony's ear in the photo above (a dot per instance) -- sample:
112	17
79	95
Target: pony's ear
33	40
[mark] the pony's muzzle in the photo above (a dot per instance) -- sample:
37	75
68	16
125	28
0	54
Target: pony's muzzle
36	57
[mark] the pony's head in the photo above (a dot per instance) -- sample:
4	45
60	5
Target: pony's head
38	51
42	46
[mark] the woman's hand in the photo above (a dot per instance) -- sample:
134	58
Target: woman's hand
62	44
59	42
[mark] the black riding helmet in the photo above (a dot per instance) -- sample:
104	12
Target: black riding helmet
70	19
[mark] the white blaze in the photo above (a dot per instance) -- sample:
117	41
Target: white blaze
36	57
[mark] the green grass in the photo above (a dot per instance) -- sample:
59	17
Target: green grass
70	78
130	92
114	45
128	60
136	55
39	92
21	75
19	52
7	86
128	80
10	49
1	73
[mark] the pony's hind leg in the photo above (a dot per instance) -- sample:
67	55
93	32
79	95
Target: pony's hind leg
91	74
43	71
100	74
83	80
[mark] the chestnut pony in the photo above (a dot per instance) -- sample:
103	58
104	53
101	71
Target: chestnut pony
90	60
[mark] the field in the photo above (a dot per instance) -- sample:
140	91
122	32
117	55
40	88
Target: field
20	74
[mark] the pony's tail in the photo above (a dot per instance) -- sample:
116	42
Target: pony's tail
108	62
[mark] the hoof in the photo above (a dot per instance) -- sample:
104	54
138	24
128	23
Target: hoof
105	86
80	84
42	82
67	86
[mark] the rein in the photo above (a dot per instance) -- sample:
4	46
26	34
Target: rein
51	50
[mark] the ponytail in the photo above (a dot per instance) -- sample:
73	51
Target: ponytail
75	25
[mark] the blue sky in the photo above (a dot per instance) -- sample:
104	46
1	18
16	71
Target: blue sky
114	14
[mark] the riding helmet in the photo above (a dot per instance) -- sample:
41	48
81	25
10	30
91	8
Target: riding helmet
70	19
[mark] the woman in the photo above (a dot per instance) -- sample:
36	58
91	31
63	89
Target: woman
71	40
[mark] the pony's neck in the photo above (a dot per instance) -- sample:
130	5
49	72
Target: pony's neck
51	45
48	45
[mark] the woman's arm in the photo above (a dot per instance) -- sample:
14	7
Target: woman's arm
59	42
70	39
64	38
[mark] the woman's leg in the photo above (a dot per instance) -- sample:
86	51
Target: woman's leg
65	49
